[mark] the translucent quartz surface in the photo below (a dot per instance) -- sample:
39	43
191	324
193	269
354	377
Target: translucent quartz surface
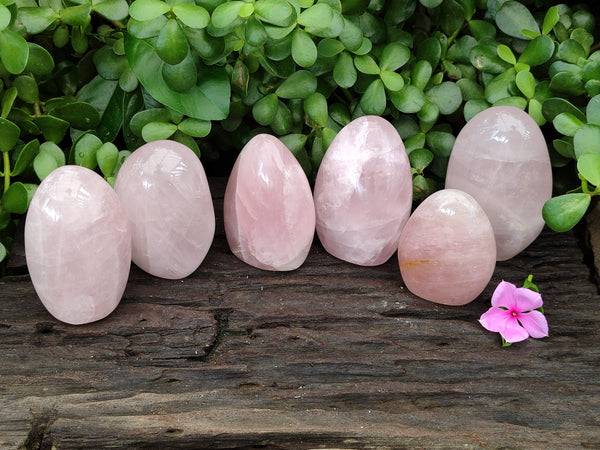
363	192
77	245
268	207
500	157
164	190
447	251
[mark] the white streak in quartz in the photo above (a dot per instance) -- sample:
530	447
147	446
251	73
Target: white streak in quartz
77	245
363	192
165	193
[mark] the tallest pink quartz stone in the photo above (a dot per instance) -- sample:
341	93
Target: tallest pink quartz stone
363	192
500	157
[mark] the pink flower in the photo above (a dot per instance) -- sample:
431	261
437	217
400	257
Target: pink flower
513	314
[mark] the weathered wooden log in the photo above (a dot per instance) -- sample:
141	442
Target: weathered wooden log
329	355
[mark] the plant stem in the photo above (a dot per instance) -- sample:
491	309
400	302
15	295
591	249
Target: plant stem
6	159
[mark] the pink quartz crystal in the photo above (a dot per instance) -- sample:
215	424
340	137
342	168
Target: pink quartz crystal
268	208
165	193
77	245
363	192
500	157
447	251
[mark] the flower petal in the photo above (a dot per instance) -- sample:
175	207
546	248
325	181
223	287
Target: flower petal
513	332
494	319
504	295
527	299
535	323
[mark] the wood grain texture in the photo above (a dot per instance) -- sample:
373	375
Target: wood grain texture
328	356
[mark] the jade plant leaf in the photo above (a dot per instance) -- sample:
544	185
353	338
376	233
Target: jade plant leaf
9	134
26	156
588	165
514	17
17	197
564	212
43	164
14	51
208	100
299	85
586	139
144	10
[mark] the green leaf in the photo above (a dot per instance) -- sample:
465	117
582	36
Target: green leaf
410	99
586	139
276	12
265	109
208	100
172	45
567	124
550	19
315	107
43	164
452	16
484	57
567	83
146	29
226	14
304	50
526	83
84	150
553	106
588	165
420	158
430	3
3	252
592	110
36	18
155	131
319	15
344	72
421	73
143	117
499	87
351	36
181	77
373	101
482	29
192	15
107	156
564	147
474	107
415	141
534	109
80	115
429	49
26	156
14	51
366	64
394	56
299	85
428	115
195	127
5	17
564	212
506	54
296	144
538	51
570	51
447	96
27	88
393	81
282	123
40	61
514	17
17	198
330	47
9	134
111	9
55	151
255	32
76	15
145	10
440	142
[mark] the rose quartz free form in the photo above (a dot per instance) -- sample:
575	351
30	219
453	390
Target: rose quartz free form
447	251
500	157
165	193
268	208
77	245
363	192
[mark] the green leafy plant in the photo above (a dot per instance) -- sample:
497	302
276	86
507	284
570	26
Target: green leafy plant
88	81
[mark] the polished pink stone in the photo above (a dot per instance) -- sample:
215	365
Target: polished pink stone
268	208
165	193
363	192
500	157
447	251
77	245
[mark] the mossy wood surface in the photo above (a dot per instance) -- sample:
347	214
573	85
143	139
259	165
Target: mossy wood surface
330	355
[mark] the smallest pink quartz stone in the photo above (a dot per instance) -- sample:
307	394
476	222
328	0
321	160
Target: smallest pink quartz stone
447	250
268	207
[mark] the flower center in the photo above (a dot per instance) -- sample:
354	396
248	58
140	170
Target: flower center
514	314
